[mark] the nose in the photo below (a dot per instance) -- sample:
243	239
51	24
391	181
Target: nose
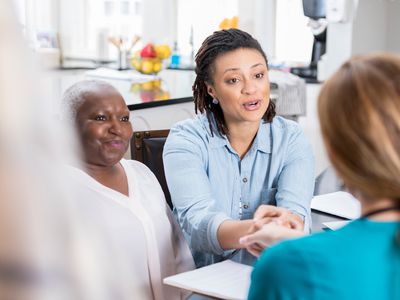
115	127
249	87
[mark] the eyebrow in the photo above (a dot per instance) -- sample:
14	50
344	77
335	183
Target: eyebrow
236	69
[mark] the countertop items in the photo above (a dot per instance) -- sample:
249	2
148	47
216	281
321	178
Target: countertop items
175	86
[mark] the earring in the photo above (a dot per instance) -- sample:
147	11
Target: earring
215	101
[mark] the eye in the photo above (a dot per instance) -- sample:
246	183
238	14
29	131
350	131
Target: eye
233	80
125	119
100	118
259	75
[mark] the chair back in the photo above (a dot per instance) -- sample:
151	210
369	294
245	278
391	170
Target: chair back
147	147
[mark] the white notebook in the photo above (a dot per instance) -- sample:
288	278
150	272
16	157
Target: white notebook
224	280
340	204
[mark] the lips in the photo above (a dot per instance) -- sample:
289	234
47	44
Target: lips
115	144
252	105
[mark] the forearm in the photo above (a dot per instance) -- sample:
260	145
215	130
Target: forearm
230	231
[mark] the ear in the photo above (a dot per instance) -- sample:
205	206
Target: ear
211	91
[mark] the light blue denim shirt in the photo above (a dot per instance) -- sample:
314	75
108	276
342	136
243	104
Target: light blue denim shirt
210	184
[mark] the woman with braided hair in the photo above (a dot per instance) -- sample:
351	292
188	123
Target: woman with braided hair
235	156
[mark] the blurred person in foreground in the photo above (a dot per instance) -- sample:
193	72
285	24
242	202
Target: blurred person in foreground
123	197
359	112
49	249
236	155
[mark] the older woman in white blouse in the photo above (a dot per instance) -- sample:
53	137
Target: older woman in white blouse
123	197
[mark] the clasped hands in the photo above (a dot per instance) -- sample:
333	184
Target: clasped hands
271	225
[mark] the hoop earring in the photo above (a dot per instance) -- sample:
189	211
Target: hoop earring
215	101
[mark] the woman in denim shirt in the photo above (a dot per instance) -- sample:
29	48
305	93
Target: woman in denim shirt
235	155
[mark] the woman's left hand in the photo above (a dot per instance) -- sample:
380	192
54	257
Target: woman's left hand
281	216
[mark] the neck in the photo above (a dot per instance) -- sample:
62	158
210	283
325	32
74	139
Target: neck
382	203
241	136
99	172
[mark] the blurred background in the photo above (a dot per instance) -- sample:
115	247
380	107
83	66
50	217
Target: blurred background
146	48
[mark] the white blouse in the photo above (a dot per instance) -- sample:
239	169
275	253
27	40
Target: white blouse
140	228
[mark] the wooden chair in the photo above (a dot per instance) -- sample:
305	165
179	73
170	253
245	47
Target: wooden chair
147	147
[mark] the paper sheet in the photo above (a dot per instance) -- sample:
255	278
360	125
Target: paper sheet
225	280
340	204
335	224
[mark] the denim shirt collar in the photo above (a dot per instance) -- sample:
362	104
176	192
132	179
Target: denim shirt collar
262	141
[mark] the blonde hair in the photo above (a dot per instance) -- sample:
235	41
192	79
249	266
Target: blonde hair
359	111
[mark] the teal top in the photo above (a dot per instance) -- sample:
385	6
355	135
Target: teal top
358	261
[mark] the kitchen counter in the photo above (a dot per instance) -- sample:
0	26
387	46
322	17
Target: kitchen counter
168	87
171	87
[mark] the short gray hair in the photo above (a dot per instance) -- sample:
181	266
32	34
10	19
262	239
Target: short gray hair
76	95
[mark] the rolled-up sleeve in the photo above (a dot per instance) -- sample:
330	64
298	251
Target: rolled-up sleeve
296	180
185	161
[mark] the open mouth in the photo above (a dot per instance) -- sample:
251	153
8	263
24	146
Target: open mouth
252	105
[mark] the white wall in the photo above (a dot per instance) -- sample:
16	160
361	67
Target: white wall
159	21
259	19
393	26
370	27
374	27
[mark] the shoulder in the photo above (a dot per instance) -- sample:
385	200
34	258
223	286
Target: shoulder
294	267
306	252
290	268
197	127
277	263
288	137
189	135
286	127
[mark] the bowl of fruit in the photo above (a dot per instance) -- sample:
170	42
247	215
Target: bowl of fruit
149	60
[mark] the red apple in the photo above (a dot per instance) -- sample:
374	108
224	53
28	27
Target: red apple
147	96
148	51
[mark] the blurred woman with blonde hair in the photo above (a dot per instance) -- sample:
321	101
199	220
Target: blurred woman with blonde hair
359	111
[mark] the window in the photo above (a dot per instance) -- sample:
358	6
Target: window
116	18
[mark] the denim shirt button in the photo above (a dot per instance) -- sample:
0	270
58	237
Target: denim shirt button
244	180
245	206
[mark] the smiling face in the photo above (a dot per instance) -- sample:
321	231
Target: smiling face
104	127
241	85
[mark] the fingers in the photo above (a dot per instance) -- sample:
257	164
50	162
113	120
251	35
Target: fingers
255	249
260	237
296	225
258	224
264	211
290	220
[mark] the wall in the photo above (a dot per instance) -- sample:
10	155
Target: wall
393	25
374	28
370	27
258	18
159	21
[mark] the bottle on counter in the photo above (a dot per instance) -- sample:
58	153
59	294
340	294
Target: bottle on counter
175	57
